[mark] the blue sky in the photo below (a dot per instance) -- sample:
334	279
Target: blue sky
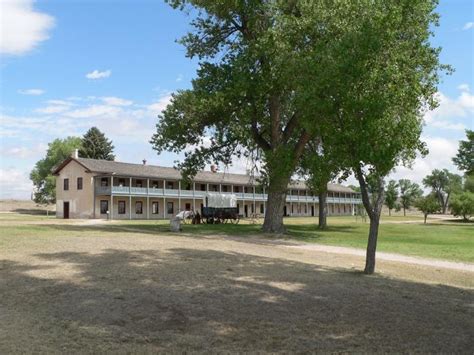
69	65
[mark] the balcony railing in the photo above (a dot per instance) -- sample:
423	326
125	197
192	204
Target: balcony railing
159	192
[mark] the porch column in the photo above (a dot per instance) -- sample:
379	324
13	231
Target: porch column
254	203
194	199
147	199
164	207
111	209
179	196
95	197
291	203
220	188
130	199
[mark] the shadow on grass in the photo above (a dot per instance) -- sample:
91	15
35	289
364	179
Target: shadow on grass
201	300
34	212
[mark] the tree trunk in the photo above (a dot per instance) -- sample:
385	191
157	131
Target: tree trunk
372	245
404	212
445	206
273	222
389	212
323	210
374	210
426	215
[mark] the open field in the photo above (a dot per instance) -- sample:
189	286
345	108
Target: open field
79	286
438	239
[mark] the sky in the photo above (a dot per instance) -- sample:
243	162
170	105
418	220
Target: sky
66	66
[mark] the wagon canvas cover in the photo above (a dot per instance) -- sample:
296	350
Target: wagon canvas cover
219	200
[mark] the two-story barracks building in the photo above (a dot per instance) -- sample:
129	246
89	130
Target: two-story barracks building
89	188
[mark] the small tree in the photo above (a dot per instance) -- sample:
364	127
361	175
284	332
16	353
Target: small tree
409	192
443	184
320	166
427	204
464	159
44	182
96	146
391	196
463	205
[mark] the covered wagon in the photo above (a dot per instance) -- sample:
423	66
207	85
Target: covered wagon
220	208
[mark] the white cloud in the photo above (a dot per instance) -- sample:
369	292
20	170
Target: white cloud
22	28
463	87
34	92
468	26
15	184
60	102
116	101
179	78
24	152
441	151
160	105
95	111
98	74
451	113
52	109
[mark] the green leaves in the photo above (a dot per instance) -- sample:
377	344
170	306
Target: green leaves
44	182
96	146
464	159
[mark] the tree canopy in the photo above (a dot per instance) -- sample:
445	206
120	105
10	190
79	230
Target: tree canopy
246	96
391	195
409	192
95	145
427	204
464	159
443	183
44	182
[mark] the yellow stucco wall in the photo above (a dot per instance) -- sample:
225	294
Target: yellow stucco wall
80	201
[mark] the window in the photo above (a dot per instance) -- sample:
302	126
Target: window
155	208
104	182
236	189
139	207
139	183
203	187
187	207
79	183
252	207
66	184
154	184
261	208
104	206
170	185
224	188
121	182
169	207
121	207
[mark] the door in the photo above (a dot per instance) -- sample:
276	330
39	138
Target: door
66	210
246	211
188	207
284	211
312	211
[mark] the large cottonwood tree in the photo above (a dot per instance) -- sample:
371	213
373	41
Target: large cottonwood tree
386	79
246	94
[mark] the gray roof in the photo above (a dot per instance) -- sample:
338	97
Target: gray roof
161	172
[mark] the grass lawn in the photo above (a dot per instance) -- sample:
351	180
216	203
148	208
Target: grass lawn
440	240
133	287
437	239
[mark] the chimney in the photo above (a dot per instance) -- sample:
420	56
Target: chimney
214	168
75	154
144	161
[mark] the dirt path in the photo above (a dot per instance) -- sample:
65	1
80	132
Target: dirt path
388	256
